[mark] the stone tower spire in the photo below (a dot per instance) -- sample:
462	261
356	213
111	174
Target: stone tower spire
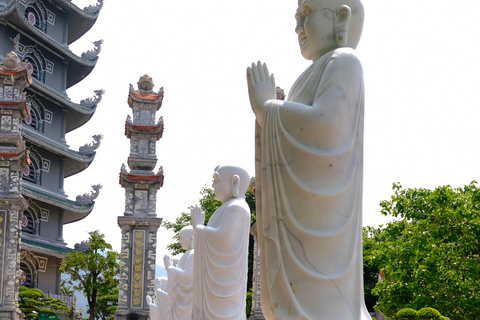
14	78
139	223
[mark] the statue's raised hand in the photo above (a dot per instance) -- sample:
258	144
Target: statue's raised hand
198	216
261	87
167	262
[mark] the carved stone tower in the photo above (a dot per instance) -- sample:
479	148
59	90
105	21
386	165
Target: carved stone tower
14	78
139	223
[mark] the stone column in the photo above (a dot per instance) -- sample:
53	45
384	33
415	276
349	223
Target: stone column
139	223
60	225
257	313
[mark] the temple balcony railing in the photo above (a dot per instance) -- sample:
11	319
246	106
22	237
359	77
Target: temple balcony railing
68	300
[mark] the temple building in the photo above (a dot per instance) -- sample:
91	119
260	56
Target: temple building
39	32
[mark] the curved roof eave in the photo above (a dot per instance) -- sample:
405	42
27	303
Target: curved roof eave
80	21
77	64
73	211
77	114
74	161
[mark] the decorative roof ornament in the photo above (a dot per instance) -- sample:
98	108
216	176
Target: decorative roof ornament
123	168
145	83
90	148
93	54
92	9
90	102
16	43
88	198
12	61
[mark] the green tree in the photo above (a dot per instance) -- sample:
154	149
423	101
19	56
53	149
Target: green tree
93	271
430	255
33	303
107	304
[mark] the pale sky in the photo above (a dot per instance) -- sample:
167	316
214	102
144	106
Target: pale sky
421	112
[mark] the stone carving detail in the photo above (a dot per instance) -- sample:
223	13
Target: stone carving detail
90	148
16	42
138	258
4	179
124	270
93	54
88	198
90	102
92	9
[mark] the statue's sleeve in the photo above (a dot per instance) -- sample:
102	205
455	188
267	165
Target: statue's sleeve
325	104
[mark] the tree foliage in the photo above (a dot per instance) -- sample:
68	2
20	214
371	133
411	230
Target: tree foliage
94	272
430	255
33	302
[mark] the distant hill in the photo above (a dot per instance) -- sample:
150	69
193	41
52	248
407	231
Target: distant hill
160	271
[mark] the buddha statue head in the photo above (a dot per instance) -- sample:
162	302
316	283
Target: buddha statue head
230	182
186	237
325	25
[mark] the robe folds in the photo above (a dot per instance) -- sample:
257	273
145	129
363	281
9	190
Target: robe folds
164	309
180	287
309	175
221	263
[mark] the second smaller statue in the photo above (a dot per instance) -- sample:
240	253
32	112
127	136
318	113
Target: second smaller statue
221	249
180	278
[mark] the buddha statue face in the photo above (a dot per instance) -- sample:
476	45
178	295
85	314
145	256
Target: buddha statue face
186	238
324	25
221	185
229	182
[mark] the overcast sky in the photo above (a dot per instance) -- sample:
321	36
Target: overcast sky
421	68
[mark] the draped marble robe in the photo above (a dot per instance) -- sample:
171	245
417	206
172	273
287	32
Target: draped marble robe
221	263
180	287
164	305
309	175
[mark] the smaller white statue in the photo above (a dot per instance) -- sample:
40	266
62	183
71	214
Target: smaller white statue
163	300
180	278
221	249
153	308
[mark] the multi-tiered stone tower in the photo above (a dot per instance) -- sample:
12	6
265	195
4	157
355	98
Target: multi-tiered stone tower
139	223
14	78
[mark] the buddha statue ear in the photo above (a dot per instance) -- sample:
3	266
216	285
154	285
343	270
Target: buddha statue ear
191	241
235	186
342	21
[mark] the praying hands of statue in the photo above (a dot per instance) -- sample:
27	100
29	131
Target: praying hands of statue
167	262
261	87
198	216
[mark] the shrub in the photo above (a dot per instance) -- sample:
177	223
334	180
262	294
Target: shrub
407	314
428	314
